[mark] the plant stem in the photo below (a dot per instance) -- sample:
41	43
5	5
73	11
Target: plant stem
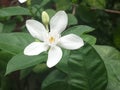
47	28
74	9
112	11
108	10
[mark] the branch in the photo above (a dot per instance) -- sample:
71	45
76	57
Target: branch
112	11
108	10
74	9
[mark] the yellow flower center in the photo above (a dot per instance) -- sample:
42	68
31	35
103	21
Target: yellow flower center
51	39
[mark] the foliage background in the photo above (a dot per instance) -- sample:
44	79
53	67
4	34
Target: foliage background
102	15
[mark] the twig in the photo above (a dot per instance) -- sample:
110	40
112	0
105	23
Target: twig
74	9
112	11
108	10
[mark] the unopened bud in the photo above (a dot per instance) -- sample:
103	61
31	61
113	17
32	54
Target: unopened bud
29	2
45	18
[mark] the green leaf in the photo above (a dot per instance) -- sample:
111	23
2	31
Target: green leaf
44	2
78	30
1	27
21	61
96	3
14	42
25	72
116	37
40	2
72	19
9	27
85	71
85	15
89	39
111	58
12	11
76	1
89	67
63	65
50	12
55	78
62	4
81	31
4	58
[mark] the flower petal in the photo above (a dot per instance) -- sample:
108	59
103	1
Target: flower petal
71	42
54	56
22	1
58	22
35	48
36	29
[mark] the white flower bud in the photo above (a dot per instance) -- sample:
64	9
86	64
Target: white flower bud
45	18
22	1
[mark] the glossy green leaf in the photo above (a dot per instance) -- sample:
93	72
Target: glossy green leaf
63	65
14	42
72	19
62	4
85	71
89	39
85	15
1	27
21	61
50	12
44	2
12	11
111	58
25	72
96	3
40	2
81	31
116	37
4	58
76	1
54	79
9	27
78	30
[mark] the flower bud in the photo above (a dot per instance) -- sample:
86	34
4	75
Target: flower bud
45	18
28	2
22	1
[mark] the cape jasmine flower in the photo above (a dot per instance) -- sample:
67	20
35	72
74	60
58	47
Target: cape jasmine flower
51	40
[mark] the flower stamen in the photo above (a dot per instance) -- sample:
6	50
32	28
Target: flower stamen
51	40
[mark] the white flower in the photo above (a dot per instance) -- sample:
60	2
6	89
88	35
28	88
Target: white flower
51	40
22	1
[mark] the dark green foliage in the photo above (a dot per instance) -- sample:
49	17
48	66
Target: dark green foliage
92	67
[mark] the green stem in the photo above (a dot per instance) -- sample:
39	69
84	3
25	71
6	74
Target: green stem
47	28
